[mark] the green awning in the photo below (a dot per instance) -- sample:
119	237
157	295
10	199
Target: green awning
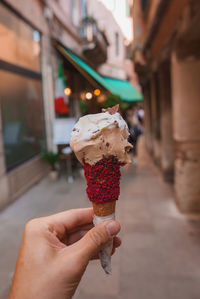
117	87
87	68
124	89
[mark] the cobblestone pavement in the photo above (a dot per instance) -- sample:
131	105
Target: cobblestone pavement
159	257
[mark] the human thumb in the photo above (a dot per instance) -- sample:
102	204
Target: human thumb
97	237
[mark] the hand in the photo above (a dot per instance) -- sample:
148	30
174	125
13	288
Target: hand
55	252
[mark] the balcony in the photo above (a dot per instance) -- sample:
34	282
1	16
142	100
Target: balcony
94	41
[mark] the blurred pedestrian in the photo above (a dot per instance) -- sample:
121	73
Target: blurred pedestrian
55	252
135	130
140	114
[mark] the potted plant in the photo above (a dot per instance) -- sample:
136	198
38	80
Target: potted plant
83	107
51	158
111	100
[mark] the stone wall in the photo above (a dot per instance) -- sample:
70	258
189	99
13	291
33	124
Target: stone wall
25	176
155	115
148	119
186	120
166	122
168	44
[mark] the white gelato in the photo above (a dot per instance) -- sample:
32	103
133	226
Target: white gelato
98	135
91	125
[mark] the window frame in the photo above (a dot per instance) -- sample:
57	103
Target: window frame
19	15
24	72
117	44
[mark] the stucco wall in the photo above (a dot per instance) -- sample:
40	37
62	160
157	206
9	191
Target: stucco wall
186	91
114	65
32	11
186	120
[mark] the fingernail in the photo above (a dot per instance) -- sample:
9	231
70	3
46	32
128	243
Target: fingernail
112	228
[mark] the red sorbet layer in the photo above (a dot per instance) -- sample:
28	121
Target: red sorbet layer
103	179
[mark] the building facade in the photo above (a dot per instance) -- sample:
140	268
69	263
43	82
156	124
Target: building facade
167	61
34	36
120	36
28	70
114	64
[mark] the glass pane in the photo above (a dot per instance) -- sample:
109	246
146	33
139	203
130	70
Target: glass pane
20	44
22	116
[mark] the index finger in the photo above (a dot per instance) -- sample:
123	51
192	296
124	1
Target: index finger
69	220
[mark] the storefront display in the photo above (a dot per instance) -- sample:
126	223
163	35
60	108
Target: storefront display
20	89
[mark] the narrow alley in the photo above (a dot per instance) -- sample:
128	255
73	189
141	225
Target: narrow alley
159	256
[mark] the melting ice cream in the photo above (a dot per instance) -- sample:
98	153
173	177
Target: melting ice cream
98	135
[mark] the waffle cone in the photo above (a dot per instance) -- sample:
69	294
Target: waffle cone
104	209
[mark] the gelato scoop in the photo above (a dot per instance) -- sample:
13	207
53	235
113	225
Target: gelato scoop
101	134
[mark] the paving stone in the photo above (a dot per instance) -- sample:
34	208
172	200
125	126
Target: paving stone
96	282
184	288
144	286
159	256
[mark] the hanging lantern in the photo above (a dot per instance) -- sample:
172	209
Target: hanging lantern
101	98
88	95
67	91
97	92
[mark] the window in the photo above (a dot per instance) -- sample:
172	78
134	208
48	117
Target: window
128	51
128	9
116	43
20	44
74	13
144	5
83	8
20	89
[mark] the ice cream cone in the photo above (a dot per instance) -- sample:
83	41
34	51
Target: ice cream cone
104	209
100	142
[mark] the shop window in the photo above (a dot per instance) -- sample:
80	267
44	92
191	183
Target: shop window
20	89
20	43
116	43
